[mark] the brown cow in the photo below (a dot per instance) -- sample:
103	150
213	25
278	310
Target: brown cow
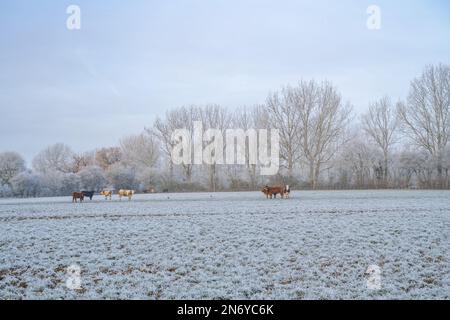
271	192
77	195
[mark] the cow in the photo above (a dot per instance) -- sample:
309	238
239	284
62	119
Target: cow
287	192
88	194
125	193
106	194
271	192
77	195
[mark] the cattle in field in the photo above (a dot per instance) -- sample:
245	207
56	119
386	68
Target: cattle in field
125	193
77	195
272	192
286	192
88	194
107	194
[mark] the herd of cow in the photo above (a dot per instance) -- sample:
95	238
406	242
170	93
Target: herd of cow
270	192
106	193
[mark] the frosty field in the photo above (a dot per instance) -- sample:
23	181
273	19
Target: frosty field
316	245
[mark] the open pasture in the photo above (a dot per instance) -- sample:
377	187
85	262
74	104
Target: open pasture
228	245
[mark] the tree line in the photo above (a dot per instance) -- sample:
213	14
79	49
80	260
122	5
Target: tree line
323	144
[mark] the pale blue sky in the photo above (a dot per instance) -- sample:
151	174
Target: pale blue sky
132	60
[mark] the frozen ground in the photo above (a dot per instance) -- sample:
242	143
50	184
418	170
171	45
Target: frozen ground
317	245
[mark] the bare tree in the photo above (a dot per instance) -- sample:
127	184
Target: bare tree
380	123
26	184
247	119
186	116
322	121
11	163
92	178
284	116
106	157
260	120
57	157
426	114
214	117
179	118
163	130
140	150
122	177
361	159
82	160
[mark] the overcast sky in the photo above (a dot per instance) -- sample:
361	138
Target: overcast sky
132	60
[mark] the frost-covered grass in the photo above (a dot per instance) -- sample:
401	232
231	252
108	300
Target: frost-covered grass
316	245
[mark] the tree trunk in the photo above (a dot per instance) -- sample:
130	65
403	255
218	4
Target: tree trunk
212	178
311	174
385	171
290	165
170	173
316	175
188	173
440	180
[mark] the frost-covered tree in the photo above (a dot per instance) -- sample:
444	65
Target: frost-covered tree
82	160
417	167
247	118
92	178
11	163
5	191
323	119
70	182
26	184
122	177
380	124
446	166
106	157
426	114
218	118
360	161
51	183
56	183
147	178
163	130
178	118
283	110
57	157
140	150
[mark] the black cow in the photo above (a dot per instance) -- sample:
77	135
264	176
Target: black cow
88	194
